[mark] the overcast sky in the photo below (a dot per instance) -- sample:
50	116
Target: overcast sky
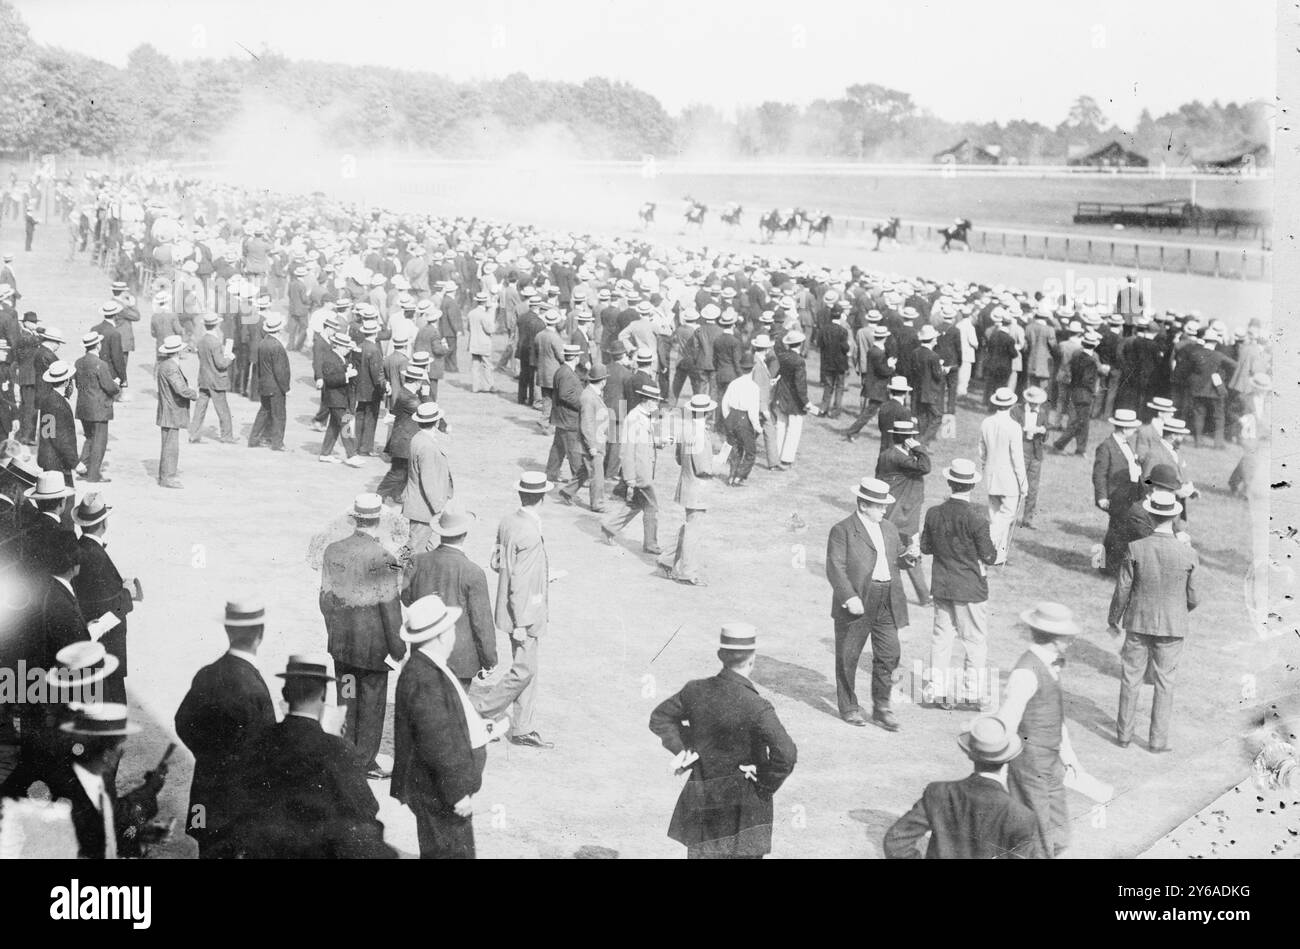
960	59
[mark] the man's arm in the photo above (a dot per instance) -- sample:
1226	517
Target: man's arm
481	624
1021	686
1191	588
1100	473
666	723
905	836
837	559
1123	592
781	752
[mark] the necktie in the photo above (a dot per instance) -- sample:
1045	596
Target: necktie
1059	663
110	831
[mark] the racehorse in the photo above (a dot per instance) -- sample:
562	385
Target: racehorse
956	232
769	224
695	212
732	215
647	214
819	224
886	230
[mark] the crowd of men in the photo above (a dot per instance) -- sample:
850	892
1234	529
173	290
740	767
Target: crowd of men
602	338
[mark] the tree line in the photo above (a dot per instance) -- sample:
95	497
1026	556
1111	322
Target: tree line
58	101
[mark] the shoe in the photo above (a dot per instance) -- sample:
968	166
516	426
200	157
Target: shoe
1122	743
317	427
170	483
855	719
329	459
196	441
1162	750
100	480
653	550
885	719
277	448
606	538
80	469
740	483
531	740
599	510
229	440
564	499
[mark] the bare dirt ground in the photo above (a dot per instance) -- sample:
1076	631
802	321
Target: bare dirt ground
245	520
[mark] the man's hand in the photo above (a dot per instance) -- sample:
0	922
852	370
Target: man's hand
464	807
855	606
1104	504
320	383
519	634
1114	630
750	771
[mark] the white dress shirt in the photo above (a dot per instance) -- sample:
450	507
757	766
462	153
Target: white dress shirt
881	570
93	785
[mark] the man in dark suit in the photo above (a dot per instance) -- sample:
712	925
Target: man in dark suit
96	388
530	325
835	348
873	365
1081	372
107	827
566	417
100	589
903	467
56	433
336	399
1032	420
1154	594
25	350
303	792
439	741
736	751
111	348
406	401
215	359
460	583
999	354
370	383
897	409
956	534
864	567
1208	387
271	373
1116	476
359	598
226	709
975	818
931	384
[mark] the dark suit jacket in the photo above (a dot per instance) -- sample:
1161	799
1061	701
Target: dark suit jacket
835	348
1110	475
370	372
95	389
1154	592
850	558
957	534
1083	376
99	590
461	583
1033	444
904	471
333	370
931	380
214	364
432	759
727	723
110	350
272	367
359	598
890	413
58	623
875	381
972	819
790	394
227	708
56	432
303	795
403	426
566	406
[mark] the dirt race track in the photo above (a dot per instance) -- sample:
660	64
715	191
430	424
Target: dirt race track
245	520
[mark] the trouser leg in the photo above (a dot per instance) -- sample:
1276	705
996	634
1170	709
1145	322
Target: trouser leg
1133	658
1165	651
850	639
394	482
170	455
869	408
441	832
1033	470
199	414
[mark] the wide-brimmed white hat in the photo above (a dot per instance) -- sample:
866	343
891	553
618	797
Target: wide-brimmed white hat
427	618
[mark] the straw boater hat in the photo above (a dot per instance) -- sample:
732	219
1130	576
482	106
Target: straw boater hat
989	741
1162	504
307	667
962	471
740	637
414	374
702	404
1051	618
793	338
927	333
428	618
90	511
273	323
59	372
453	523
875	491
91	340
534	482
904	426
367	507
1124	418
427	413
171	346
244	612
1161	404
644	357
572	351
52	334
81	664
211	319
899	384
1175	426
1003	398
649	392
111	308
1035	395
100	720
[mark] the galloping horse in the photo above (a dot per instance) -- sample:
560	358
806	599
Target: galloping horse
957	232
768	225
818	224
694	212
647	214
886	230
732	215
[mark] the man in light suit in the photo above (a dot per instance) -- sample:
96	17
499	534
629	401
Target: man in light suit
482	324
428	477
522	606
462	584
864	567
548	356
439	741
972	819
215	359
227	707
359	599
1153	596
1002	456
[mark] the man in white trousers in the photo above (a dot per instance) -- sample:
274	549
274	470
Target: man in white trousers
1002	456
